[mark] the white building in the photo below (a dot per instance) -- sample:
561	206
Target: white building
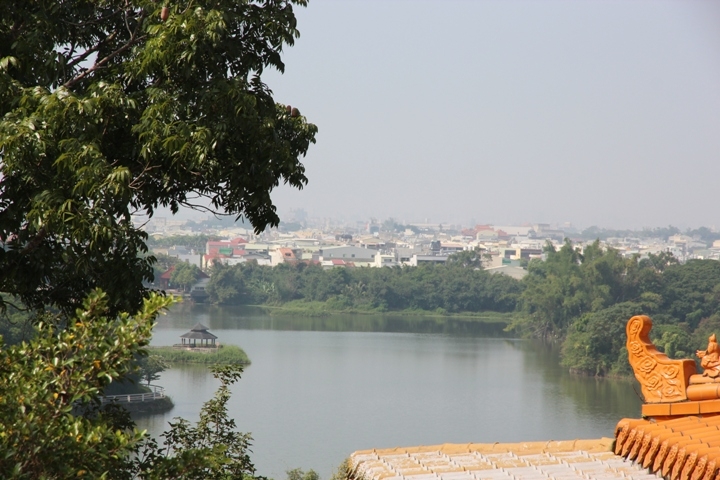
348	253
385	260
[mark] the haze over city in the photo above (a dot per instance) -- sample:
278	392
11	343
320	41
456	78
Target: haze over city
506	263
595	113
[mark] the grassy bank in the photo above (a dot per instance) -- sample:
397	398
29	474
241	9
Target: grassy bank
323	309
223	354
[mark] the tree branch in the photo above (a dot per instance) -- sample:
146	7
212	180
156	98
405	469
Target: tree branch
136	184
132	41
102	62
35	242
90	51
202	208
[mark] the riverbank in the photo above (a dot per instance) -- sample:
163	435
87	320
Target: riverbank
222	354
148	407
161	405
323	309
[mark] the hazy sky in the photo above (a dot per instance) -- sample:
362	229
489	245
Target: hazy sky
591	112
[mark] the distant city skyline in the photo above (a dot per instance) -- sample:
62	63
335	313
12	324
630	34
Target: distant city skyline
312	221
599	113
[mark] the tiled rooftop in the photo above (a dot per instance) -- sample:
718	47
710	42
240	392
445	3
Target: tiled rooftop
682	448
579	459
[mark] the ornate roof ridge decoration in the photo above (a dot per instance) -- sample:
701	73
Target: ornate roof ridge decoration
662	379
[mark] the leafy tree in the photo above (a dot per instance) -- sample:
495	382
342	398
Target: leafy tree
226	285
467	258
572	283
50	423
53	426
211	449
554	291
691	292
704	234
595	341
674	340
185	275
659	261
163	263
150	367
585	300
110	109
391	226
298	474
452	288
706	327
16	324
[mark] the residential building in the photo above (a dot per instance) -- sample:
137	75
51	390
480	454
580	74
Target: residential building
284	255
348	253
385	260
421	259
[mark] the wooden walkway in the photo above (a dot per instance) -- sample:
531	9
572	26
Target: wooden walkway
157	393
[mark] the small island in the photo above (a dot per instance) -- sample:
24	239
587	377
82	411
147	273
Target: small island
200	346
220	354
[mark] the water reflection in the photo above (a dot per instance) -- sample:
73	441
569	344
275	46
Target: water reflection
599	398
253	318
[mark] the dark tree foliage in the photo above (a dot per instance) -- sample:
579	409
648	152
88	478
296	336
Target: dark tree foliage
691	292
584	298
594	232
108	109
185	275
52	425
452	288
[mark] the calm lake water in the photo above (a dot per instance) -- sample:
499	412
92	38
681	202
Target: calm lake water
320	388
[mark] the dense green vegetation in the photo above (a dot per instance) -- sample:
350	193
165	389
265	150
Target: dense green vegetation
17	324
449	288
185	275
585	299
578	298
223	355
108	110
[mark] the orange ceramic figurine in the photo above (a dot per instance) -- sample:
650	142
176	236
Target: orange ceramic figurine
710	358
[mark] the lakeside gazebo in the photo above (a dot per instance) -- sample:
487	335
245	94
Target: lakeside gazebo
198	332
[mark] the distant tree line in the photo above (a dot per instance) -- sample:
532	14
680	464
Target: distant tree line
702	234
195	242
449	288
580	299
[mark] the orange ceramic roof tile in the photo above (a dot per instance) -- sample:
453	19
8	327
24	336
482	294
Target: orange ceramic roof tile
696	463
681	448
684	454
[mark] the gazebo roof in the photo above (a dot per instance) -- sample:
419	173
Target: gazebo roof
199	332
